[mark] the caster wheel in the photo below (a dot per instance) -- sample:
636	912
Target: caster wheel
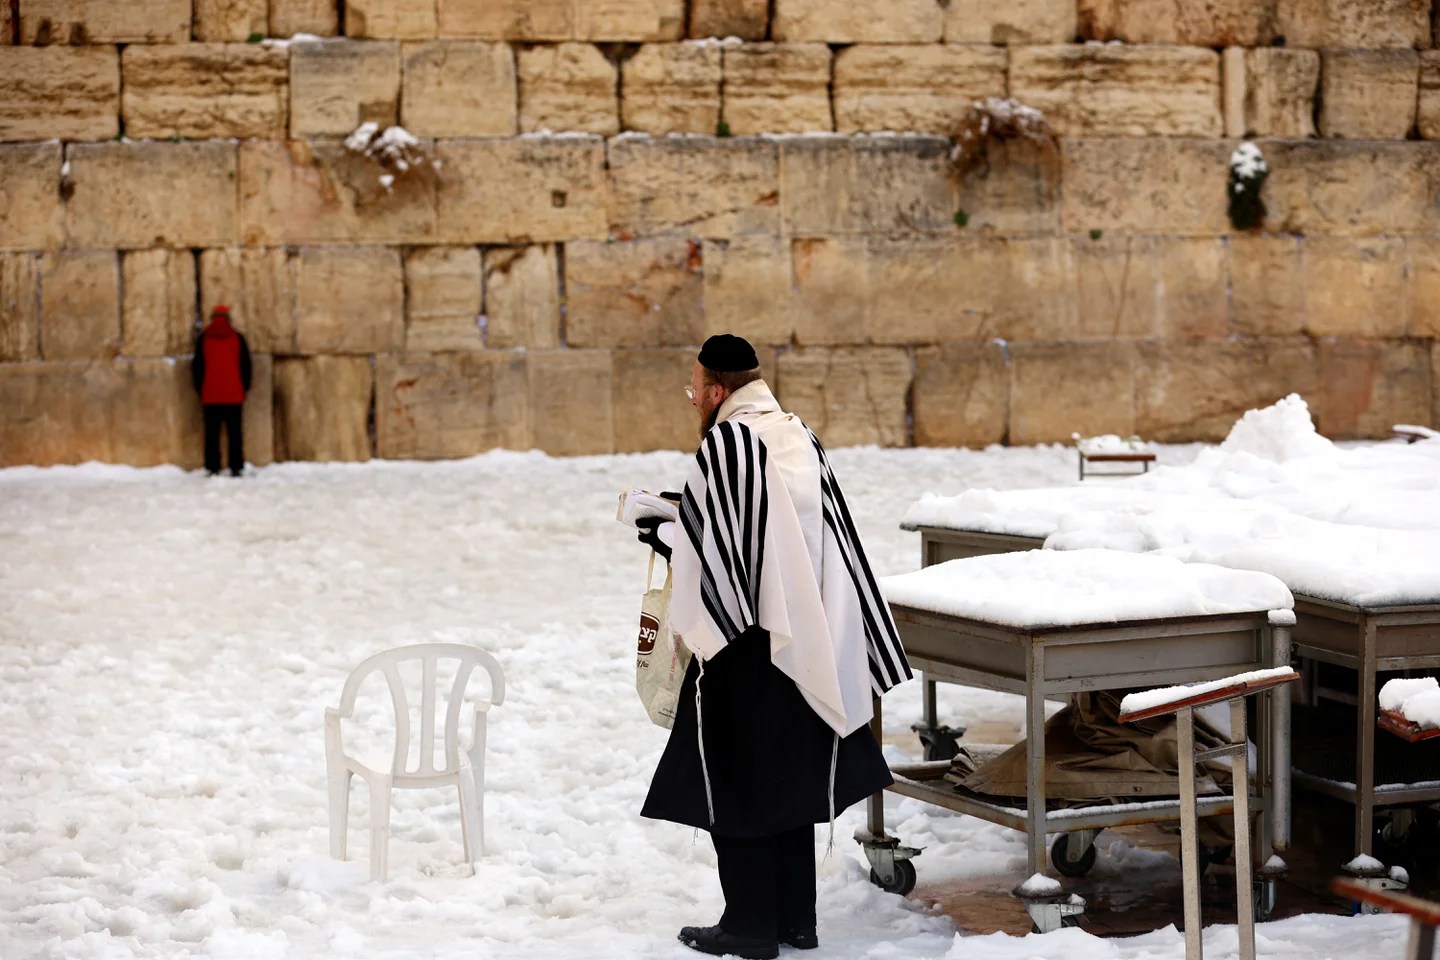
1068	861
1264	901
904	878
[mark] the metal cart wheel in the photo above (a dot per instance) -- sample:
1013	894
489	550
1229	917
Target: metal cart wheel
904	878
1072	862
1265	895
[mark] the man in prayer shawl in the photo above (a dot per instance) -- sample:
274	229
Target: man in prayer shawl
792	640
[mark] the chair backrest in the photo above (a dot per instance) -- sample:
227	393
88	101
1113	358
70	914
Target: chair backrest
430	655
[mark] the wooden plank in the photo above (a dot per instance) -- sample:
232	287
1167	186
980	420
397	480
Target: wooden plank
1243	688
1409	730
1426	911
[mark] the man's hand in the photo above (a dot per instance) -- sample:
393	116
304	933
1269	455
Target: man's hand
650	535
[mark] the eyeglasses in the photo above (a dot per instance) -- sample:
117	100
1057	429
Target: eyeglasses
690	393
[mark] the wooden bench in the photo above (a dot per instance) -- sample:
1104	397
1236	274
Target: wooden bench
1424	914
1144	459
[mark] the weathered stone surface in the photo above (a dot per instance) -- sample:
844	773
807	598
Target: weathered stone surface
1146	186
747	289
335	87
257	419
19	307
157	308
459	88
216	21
202	90
521	191
1429	106
32	216
1350	188
1121	91
1369	386
1435	385
571	392
442	299
1024	288
776	88
671	88
1016	22
79	304
78	22
1197	390
1057	389
644	293
451	405
7	26
152	194
1267	291
920	88
390	19
649	411
1423	279
1270	92
318	17
507	19
1359	24
567	87
318	192
848	396
711	188
1212	23
918	291
830	185
348	300
746	19
629	20
858	21
1369	94
1193	288
322	408
962	395
1013	188
59	92
1117	288
830	290
1355	288
522	297
255	283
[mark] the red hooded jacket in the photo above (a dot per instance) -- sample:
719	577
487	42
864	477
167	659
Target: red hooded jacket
221	368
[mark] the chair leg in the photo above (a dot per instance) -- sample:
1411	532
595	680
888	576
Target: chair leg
339	779
472	816
379	827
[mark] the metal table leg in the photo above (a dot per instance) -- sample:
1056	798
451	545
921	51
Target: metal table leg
1035	759
1365	742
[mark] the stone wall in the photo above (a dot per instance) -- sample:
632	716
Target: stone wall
598	186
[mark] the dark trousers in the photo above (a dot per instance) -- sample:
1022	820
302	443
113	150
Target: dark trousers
228	415
769	883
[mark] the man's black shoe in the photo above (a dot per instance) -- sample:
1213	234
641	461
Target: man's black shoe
718	943
800	939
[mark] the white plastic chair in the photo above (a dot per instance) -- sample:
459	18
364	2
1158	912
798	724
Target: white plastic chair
466	770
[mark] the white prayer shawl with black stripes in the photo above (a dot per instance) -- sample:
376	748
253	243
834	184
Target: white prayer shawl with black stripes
766	539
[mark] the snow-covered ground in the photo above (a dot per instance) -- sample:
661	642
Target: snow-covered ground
168	645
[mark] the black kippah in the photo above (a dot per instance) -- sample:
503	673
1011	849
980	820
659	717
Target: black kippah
726	353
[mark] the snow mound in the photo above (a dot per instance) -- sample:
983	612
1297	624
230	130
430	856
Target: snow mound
1280	432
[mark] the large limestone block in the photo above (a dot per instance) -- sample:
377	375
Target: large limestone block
635	21
830	290
1353	188
832	185
319	18
317	192
78	22
1193	289
522	297
1369	94
1117	288
459	88
390	19
919	290
671	88
79	304
157	308
1429	107
526	20
1121	91
1014	189
961	395
1197	390
59	93
1145	186
776	88
649	411
1015	22
702	187
746	19
1355	287
152	194
442	299
848	396
1210	23
255	283
202	90
747	289
1023	288
258	417
338	85
1435	385
1423	279
1270	92
19	307
216	21
1267	286
522	190
32	216
1360	24
567	87
571	392
7	25
918	88
642	293
1371	385
322	408
858	21
1058	389
349	300
445	405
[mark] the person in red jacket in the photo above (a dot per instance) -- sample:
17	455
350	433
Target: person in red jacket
222	376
